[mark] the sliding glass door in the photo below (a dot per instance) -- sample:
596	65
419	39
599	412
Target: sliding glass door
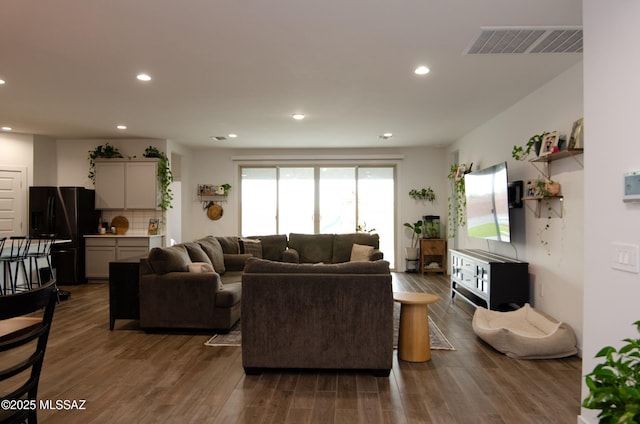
309	199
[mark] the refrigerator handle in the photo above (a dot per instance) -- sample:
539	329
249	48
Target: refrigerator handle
50	213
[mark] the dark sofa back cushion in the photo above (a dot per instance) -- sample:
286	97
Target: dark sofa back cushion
262	266
169	259
213	249
343	243
312	248
229	244
272	246
196	253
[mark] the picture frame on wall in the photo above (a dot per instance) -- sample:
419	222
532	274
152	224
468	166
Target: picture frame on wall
549	143
576	141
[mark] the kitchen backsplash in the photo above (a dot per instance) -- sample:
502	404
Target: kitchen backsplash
138	219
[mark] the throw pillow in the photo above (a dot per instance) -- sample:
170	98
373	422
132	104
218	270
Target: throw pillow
169	259
251	246
361	253
199	267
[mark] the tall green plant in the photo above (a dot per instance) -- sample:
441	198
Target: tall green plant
614	385
417	230
165	177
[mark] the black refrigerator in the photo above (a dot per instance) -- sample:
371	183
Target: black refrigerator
69	213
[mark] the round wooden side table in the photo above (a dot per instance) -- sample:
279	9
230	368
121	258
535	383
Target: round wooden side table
413	335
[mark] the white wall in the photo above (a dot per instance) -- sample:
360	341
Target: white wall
17	150
556	270
611	107
45	161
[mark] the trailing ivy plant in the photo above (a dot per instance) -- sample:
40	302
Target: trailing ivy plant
423	194
522	152
457	200
106	151
614	385
165	177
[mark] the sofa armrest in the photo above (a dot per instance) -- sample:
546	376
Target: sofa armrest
235	261
376	255
291	255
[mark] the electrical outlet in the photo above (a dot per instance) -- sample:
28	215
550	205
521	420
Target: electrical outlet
625	257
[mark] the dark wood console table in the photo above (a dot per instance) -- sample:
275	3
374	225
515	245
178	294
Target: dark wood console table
124	277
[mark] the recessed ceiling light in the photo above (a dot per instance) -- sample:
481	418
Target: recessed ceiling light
6	128
2	81
385	136
421	70
233	135
121	127
143	77
297	116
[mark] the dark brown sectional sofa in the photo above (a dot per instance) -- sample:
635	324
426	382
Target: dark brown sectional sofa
173	297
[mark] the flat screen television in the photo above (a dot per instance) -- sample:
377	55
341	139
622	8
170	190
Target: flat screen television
487	195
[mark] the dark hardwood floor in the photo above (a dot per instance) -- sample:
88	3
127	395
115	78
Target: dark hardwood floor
129	376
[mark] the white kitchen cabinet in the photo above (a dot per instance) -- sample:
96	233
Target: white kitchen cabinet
100	250
127	184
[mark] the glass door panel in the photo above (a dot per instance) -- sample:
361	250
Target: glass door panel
296	200
337	194
258	201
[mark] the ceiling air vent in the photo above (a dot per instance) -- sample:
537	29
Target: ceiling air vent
526	40
219	137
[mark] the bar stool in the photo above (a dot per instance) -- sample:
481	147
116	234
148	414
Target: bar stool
40	249
17	254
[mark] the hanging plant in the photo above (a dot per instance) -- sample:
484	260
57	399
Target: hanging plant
165	177
535	142
107	152
457	201
423	194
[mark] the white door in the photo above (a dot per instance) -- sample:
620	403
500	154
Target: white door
13	188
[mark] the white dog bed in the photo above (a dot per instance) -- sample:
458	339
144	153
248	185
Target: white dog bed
524	333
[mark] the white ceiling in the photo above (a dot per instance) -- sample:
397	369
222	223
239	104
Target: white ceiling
244	66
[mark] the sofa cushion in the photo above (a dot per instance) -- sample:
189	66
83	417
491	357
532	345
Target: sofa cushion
272	246
213	249
229	244
196	253
251	246
360	253
169	259
259	266
313	248
229	295
343	243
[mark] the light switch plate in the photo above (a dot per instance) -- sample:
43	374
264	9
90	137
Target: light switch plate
625	257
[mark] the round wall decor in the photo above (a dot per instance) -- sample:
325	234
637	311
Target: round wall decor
214	212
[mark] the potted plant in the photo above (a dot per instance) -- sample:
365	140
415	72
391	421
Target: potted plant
411	253
165	177
535	142
106	151
423	194
614	384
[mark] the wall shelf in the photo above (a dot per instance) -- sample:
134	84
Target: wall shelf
547	159
555	203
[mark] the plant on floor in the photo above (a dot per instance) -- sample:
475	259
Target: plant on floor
522	152
105	151
416	229
423	194
457	200
614	385
165	177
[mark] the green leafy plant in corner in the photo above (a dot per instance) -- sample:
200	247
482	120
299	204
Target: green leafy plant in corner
226	188
522	152
106	151
614	385
457	200
165	177
423	194
417	230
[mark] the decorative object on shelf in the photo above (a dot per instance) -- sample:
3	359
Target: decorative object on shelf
165	177
214	211
121	224
535	142
613	384
154	225
411	253
106	151
423	194
576	141
550	144
457	200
